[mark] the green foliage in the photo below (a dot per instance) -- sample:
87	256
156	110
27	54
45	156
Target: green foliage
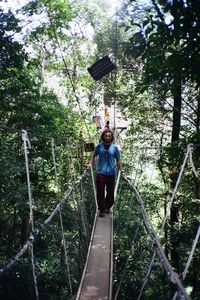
11	54
59	12
27	104
160	42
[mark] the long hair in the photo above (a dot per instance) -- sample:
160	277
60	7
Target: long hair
105	131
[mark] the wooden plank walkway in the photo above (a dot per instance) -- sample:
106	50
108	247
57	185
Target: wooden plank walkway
95	283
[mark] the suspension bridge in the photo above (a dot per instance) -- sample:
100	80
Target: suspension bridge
97	275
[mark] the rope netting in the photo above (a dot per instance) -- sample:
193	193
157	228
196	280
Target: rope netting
48	190
51	251
139	264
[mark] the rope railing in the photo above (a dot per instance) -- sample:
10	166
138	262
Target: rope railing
171	274
188	154
41	227
91	237
78	189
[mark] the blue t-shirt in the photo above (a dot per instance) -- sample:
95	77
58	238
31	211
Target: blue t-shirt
107	156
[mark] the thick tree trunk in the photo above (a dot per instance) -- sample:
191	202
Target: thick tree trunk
198	114
195	267
174	213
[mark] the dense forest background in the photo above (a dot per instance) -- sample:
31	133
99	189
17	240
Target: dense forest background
46	90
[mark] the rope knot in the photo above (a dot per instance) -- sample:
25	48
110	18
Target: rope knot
26	139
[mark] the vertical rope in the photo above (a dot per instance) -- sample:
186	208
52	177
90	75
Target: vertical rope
27	145
189	258
147	276
61	220
191	162
117	184
176	187
94	187
34	273
116	197
165	218
173	276
191	253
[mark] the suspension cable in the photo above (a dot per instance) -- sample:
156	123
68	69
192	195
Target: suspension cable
176	187
147	275
34	273
94	187
27	145
117	184
164	222
191	162
191	253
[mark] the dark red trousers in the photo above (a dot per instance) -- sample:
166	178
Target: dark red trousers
105	191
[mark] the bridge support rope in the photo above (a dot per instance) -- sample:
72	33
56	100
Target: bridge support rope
172	275
27	145
188	154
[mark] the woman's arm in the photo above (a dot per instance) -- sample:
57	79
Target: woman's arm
119	164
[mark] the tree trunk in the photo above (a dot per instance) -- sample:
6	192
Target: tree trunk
197	154
174	213
195	268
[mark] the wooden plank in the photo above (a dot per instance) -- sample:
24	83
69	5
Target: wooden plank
96	282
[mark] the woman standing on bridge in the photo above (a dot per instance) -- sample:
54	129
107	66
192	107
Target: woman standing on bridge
108	158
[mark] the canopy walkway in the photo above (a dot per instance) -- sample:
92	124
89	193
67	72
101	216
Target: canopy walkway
96	281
